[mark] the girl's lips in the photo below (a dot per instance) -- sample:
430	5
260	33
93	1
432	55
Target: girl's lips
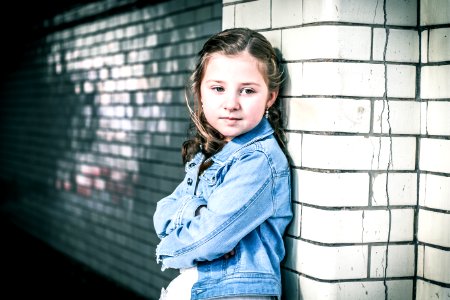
229	121
230	118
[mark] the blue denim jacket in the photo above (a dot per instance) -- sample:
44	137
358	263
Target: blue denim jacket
247	196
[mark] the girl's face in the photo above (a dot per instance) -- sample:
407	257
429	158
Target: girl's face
234	93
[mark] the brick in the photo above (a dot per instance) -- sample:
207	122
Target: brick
327	42
327	114
375	225
433	264
434	191
274	37
434	155
255	14
424	47
402	188
437	118
228	17
331	226
400	261
343	79
357	152
434	228
294	147
439	45
344	11
403	13
356	11
401	81
397	289
404	117
342	262
294	85
431	291
434	82
403	45
336	192
420	262
434	12
286	13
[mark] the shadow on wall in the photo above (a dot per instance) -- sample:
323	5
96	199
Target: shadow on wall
91	128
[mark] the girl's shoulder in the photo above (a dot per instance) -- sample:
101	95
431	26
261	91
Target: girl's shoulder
266	150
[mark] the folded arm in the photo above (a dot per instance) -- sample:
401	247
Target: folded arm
241	203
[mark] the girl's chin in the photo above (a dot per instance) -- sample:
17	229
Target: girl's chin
231	135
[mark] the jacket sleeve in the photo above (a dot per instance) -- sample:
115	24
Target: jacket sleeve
174	209
237	206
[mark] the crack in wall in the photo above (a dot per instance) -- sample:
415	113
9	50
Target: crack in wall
390	162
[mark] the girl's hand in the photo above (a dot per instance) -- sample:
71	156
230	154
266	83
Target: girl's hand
197	211
229	254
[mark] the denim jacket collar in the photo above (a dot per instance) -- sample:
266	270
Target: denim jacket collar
262	130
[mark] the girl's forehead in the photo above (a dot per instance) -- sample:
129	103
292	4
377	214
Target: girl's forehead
218	59
244	55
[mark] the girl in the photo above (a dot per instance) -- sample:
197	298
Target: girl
223	225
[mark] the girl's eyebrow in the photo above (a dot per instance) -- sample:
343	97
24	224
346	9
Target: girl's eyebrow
223	82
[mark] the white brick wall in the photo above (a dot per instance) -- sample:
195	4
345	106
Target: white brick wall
439	45
327	263
356	226
375	225
433	264
403	45
434	12
434	228
327	41
357	152
368	134
331	189
433	260
428	290
437	120
398	117
400	261
343	79
310	289
434	155
434	191
286	13
328	114
434	82
254	14
400	188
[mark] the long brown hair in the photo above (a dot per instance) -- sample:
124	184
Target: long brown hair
230	42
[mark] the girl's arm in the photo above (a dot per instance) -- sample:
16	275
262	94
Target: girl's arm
172	210
238	205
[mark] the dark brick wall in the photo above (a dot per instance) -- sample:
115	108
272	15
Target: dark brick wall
91	122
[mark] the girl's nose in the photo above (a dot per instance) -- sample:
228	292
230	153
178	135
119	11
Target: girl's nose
231	102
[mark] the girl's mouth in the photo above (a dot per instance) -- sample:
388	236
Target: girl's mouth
230	118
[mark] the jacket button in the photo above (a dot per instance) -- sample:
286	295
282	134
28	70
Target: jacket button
189	181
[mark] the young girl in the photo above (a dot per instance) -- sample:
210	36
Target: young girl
223	225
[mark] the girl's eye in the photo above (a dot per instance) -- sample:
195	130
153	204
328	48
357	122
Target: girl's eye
218	89
247	91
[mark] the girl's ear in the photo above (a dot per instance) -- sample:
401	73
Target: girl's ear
272	97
